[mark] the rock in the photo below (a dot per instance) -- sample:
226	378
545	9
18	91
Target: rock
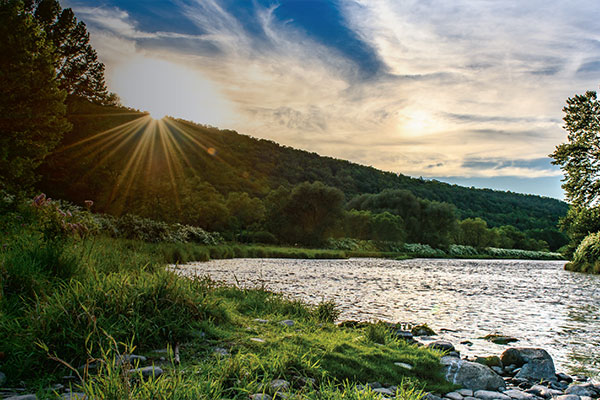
422	330
543	391
221	351
519	395
131	359
465	392
585	398
287	322
454	396
23	397
404	365
467	343
279	385
441	345
491	361
536	364
375	385
454	354
257	340
471	375
497	370
564	377
74	396
260	396
261	321
510	369
305	381
499	339
404	335
491	395
567	397
581	378
147	372
585	389
431	396
384	391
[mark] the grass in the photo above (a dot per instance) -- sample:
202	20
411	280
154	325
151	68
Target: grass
70	303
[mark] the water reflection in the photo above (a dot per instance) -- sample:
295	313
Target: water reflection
535	301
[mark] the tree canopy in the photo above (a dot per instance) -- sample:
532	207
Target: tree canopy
32	110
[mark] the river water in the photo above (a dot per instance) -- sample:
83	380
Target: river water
462	300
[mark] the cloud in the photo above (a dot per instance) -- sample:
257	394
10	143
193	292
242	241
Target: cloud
441	85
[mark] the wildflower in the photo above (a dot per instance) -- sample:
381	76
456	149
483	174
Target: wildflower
88	204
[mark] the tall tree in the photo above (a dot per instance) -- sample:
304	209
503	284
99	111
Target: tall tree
31	104
579	158
78	70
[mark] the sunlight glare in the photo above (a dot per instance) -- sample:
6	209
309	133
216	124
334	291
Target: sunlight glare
164	88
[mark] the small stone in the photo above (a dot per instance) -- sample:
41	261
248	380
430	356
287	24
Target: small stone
131	359
422	330
564	377
431	396
74	396
465	392
454	354
147	372
260	396
466	343
499	339
497	370
279	385
404	365
384	391
287	322
393	388
567	397
23	397
375	385
510	369
454	396
441	345
261	321
306	381
585	398
221	351
257	340
490	395
471	398
542	391
519	395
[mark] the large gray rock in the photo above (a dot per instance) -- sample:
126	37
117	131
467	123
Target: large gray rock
454	396
441	345
490	395
471	375
536	364
585	389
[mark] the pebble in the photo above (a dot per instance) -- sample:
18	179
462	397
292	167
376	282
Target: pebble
279	385
490	395
564	377
567	397
586	389
220	350
131	359
260	396
287	322
384	391
518	395
375	385
404	365
497	370
74	396
543	391
261	321
465	392
147	372
454	396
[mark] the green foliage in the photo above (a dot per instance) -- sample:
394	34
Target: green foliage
587	256
579	158
326	311
78	70
474	232
32	112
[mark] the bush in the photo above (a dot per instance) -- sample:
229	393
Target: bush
587	256
326	311
457	250
423	250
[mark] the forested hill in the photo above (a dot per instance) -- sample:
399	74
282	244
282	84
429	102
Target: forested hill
126	162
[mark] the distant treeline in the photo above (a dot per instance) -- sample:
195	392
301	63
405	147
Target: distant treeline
258	191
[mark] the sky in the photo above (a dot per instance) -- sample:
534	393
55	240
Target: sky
464	91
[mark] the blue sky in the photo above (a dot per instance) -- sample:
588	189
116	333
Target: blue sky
468	92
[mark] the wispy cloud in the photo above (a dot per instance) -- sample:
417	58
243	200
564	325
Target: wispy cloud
417	87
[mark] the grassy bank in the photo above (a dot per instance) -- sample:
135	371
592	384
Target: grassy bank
68	302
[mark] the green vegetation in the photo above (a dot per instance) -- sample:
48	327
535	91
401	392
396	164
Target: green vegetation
578	158
69	298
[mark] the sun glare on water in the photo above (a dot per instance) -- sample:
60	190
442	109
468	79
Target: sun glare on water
164	88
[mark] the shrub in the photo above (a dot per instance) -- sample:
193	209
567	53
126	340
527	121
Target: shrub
587	256
326	311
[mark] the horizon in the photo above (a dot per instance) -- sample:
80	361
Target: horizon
470	94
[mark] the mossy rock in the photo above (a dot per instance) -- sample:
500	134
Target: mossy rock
499	339
422	330
490	361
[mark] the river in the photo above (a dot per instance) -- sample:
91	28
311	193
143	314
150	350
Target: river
535	301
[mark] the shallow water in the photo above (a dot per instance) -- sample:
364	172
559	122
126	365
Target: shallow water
535	301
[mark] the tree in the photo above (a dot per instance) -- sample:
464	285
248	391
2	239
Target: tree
32	110
579	158
78	70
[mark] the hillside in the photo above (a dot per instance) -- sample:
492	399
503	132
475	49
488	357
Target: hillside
125	161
